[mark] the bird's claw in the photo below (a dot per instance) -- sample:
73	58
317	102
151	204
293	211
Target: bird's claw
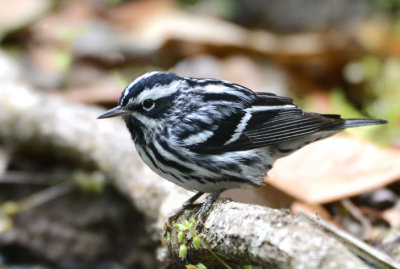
199	216
172	218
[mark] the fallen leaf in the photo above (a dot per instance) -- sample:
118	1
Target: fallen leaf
313	209
267	196
16	14
104	91
151	24
392	216
335	168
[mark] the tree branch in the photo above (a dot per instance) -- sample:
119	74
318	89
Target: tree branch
256	235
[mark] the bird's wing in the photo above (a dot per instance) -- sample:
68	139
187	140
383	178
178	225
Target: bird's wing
270	119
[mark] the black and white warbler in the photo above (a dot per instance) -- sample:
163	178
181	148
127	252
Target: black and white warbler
208	135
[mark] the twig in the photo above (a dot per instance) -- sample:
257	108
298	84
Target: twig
358	215
32	178
375	257
45	195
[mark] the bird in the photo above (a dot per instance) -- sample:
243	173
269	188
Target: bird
209	135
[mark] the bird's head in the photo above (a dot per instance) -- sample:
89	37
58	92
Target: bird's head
148	98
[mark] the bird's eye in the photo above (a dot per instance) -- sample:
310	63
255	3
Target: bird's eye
148	104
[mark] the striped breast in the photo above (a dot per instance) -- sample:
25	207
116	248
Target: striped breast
205	173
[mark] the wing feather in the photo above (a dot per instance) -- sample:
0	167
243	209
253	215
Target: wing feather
273	119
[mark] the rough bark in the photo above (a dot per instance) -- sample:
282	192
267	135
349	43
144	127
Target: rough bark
270	238
239	233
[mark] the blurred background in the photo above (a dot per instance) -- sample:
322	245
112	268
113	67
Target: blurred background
339	57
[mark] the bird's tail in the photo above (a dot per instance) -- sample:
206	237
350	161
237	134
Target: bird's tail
349	123
337	123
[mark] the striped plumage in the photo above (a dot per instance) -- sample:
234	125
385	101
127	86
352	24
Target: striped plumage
208	134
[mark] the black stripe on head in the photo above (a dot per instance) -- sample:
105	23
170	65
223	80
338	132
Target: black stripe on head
146	81
161	107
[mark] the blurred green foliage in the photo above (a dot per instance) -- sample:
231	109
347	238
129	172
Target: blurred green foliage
113	2
89	182
381	81
221	8
341	105
62	59
384	85
68	35
389	5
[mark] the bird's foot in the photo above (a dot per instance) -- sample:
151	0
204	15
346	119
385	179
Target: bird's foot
175	215
199	216
210	200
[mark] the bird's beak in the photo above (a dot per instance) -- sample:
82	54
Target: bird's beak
116	111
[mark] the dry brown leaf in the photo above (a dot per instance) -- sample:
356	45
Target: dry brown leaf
317	210
151	24
70	19
16	14
131	13
266	196
104	91
335	168
377	36
392	216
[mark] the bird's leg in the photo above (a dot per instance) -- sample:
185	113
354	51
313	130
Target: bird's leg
211	198
192	199
184	206
179	212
